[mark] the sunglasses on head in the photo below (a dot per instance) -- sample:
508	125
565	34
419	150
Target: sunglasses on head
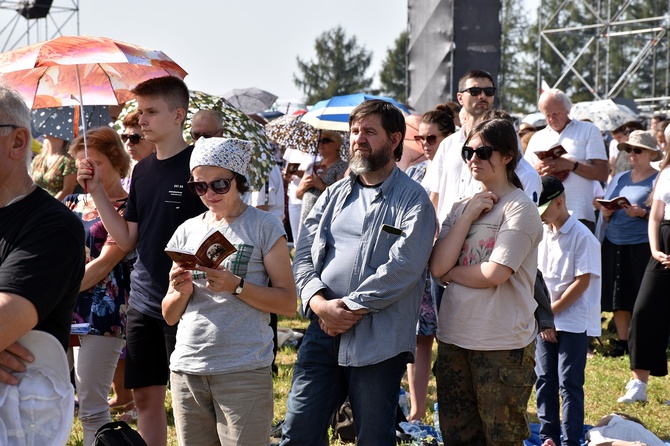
476	91
220	187
631	149
134	138
483	152
326	141
430	139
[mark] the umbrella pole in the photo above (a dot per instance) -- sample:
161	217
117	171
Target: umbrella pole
82	112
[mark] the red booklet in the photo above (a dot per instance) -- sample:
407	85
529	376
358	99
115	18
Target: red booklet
615	203
213	249
552	153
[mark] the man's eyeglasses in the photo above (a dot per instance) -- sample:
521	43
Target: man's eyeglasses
196	136
631	149
10	125
326	141
134	138
430	139
483	152
476	91
220	187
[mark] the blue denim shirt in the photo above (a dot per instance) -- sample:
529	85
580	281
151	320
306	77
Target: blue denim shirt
388	277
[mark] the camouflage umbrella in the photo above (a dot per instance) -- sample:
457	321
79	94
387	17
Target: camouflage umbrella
235	125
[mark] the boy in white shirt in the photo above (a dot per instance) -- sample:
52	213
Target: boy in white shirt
569	258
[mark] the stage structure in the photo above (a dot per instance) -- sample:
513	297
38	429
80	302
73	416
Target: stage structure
446	39
32	21
605	22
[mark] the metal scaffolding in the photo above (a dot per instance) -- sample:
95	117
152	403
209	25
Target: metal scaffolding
604	23
62	17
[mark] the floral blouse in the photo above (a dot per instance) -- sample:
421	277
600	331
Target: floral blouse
50	178
103	306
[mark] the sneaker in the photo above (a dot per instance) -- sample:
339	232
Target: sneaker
636	391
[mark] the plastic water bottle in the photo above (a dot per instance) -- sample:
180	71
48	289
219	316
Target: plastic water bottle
436	422
403	402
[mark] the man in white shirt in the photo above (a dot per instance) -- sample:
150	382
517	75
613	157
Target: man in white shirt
584	162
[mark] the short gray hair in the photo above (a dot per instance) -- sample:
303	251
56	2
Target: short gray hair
13	109
556	95
214	114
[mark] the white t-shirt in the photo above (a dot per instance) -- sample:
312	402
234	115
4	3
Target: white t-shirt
662	191
271	194
571	252
583	142
620	429
500	317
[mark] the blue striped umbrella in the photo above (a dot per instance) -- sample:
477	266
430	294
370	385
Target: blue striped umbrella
333	113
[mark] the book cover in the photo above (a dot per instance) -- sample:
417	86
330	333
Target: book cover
292	168
212	250
552	153
615	203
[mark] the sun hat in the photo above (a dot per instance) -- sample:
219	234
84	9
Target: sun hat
229	153
39	410
640	139
552	187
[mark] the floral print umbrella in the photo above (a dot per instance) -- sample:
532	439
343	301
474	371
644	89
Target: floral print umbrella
236	124
289	131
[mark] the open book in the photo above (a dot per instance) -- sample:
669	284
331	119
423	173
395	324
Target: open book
292	168
552	153
614	204
212	250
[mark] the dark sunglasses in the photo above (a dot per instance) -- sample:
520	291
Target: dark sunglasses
197	136
430	139
220	187
631	149
134	138
476	91
483	152
325	141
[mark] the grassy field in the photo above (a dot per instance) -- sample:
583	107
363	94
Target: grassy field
605	381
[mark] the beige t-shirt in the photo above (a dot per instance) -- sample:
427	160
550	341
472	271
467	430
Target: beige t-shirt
501	317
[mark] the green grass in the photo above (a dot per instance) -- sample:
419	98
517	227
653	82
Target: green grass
605	382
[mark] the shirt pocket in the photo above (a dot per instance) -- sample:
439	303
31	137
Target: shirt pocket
381	250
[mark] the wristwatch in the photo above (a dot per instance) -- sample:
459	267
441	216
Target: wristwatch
239	288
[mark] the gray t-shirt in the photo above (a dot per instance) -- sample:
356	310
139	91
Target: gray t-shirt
218	333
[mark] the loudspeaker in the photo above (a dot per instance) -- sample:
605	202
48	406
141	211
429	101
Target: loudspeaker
34	9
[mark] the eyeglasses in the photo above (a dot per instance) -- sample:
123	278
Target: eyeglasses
631	149
220	187
483	152
476	91
10	125
196	136
134	138
326	141
430	139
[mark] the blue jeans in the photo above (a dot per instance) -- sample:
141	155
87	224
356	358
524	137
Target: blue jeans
320	386
560	367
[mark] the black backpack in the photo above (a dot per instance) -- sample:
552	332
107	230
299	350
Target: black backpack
117	433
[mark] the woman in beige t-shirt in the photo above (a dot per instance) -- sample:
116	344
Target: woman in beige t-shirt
486	254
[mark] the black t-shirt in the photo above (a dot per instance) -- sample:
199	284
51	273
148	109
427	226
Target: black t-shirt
42	259
159	202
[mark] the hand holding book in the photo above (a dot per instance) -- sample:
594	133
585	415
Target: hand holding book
212	250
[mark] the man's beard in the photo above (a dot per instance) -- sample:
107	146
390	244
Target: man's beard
360	163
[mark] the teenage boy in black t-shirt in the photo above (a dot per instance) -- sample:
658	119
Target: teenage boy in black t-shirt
158	202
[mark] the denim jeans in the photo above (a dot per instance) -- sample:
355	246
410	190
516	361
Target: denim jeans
560	367
320	386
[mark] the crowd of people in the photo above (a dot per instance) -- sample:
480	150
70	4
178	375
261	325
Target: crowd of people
503	244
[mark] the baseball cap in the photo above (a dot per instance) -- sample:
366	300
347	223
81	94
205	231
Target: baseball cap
552	187
39	410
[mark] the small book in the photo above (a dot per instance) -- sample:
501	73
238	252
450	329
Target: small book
212	250
615	203
552	153
292	168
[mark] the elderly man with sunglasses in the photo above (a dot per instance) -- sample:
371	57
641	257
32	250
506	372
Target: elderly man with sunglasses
41	248
584	162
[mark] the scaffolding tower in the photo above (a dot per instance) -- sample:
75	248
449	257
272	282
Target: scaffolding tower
606	21
32	21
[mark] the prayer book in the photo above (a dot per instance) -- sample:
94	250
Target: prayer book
212	250
615	203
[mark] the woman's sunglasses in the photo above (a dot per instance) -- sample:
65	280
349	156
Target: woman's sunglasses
134	138
430	139
483	152
631	149
220	187
326	141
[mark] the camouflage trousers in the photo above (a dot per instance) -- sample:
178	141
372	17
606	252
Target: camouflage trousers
483	395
